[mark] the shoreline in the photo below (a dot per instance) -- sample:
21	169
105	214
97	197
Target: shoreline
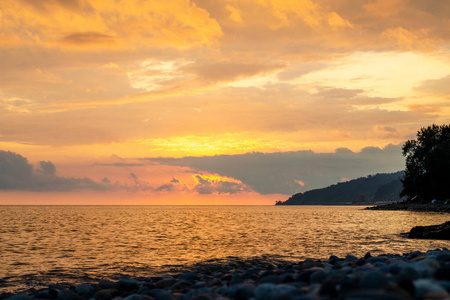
406	206
414	275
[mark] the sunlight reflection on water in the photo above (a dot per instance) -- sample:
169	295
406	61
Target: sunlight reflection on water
52	243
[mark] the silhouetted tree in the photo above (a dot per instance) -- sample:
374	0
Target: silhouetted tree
427	173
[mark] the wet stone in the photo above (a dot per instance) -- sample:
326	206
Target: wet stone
19	297
107	284
242	292
159	294
384	277
443	273
85	290
203	297
43	294
274	279
105	294
328	289
374	280
190	276
414	254
128	284
182	285
67	295
165	283
266	291
318	277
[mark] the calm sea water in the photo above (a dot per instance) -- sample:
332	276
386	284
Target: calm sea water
47	244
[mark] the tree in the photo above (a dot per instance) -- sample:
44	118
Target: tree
427	173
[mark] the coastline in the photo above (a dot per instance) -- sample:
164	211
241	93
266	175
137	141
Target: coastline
407	206
414	275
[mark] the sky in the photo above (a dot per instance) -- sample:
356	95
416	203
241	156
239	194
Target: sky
212	102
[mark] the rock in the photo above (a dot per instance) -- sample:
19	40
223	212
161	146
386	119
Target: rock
190	276
54	289
349	257
333	259
165	283
427	288
304	276
236	278
266	291
6	295
203	297
135	297
68	295
360	262
19	297
43	294
274	279
85	290
128	284
409	273
105	294
443	273
328	289
436	232
408	287
414	254
107	284
182	284
318	277
242	292
202	292
159	294
373	280
443	257
370	294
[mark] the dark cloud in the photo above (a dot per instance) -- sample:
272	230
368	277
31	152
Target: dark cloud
83	38
47	168
165	187
16	173
270	173
174	180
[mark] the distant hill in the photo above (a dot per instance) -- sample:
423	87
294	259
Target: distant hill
370	189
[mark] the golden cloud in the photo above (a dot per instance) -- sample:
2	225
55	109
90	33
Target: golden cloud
128	24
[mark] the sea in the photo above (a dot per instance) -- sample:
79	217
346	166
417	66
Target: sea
42	245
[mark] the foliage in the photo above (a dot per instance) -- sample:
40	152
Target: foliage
379	187
427	174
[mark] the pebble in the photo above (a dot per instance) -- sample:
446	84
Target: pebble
415	275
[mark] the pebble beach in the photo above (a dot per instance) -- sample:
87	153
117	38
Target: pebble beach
414	275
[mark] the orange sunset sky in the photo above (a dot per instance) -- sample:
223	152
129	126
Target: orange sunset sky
212	101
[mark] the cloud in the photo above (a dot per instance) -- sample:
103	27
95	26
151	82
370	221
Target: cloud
165	187
84	38
206	185
16	173
47	168
439	86
227	71
179	24
283	172
174	180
